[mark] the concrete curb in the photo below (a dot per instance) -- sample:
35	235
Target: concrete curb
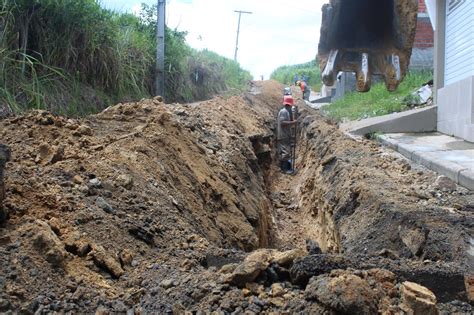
415	120
459	174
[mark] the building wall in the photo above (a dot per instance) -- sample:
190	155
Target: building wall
422	57
422	6
455	68
459	40
456	109
424	37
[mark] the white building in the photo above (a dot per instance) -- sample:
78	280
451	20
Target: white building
453	21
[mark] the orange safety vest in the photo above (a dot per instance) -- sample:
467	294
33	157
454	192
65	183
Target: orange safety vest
302	86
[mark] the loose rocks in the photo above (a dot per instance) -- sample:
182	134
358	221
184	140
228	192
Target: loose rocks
443	183
346	294
418	299
414	239
259	261
104	260
47	243
252	266
104	205
305	268
125	181
469	282
82	130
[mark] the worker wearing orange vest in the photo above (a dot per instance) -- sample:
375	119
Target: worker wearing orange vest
304	89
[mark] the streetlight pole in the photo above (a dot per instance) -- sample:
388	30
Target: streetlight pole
238	32
160	49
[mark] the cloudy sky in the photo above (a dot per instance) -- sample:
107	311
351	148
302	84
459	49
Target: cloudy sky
278	32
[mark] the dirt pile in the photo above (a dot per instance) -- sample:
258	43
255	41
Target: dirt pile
148	207
89	200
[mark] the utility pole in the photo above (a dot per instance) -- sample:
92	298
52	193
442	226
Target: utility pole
238	31
160	49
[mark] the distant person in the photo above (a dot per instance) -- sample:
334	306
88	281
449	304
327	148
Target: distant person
296	79
304	89
261	77
284	134
287	91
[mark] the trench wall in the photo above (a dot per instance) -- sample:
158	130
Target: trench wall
364	201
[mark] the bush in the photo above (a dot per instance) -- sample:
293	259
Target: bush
193	75
210	73
285	74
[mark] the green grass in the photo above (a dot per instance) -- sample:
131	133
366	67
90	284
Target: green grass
378	101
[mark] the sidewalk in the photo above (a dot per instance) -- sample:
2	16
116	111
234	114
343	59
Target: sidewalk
313	97
414	120
443	154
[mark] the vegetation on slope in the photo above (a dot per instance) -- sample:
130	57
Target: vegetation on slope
378	101
74	57
285	74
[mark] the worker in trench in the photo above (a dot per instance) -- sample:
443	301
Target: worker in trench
286	134
304	89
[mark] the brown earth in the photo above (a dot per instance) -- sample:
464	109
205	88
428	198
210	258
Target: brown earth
152	207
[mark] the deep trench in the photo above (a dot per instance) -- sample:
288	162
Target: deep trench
446	285
267	164
272	178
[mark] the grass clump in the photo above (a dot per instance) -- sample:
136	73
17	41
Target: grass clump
378	101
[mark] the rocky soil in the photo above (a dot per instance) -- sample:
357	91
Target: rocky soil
167	208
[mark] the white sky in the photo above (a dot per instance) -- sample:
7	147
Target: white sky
278	32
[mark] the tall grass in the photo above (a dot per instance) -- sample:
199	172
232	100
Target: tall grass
74	57
66	56
191	74
378	101
285	74
211	73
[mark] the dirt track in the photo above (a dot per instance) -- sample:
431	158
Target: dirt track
152	208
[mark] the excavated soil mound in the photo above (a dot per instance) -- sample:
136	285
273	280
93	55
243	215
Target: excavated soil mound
153	208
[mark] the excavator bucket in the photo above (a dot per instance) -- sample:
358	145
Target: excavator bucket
368	37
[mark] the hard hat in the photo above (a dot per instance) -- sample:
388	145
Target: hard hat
287	91
288	100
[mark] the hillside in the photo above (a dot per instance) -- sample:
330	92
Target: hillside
75	58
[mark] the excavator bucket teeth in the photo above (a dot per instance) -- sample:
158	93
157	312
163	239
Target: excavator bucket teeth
367	37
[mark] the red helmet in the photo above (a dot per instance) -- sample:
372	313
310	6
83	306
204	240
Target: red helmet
288	100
